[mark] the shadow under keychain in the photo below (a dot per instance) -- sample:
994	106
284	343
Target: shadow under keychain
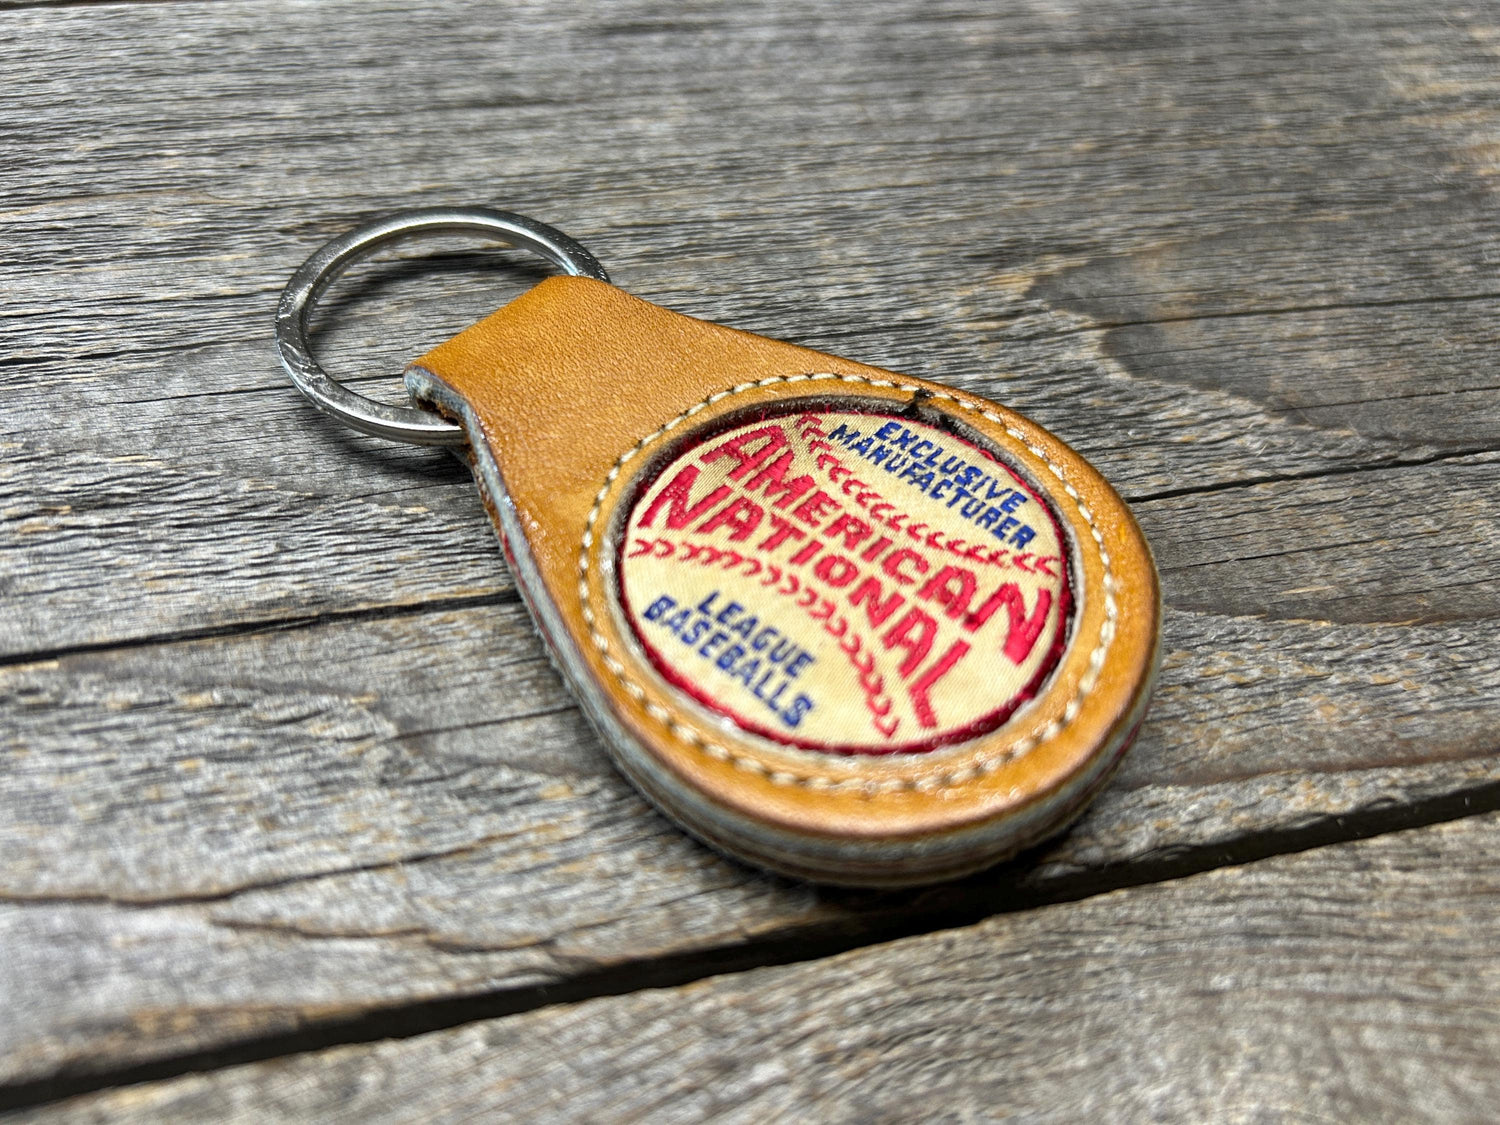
844	624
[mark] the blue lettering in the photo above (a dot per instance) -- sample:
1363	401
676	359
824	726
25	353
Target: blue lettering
799	662
797	711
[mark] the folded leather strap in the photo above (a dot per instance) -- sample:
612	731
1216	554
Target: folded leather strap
845	624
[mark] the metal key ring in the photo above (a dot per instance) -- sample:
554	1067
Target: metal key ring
419	427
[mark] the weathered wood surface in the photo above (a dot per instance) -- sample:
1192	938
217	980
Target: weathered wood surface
1358	982
279	748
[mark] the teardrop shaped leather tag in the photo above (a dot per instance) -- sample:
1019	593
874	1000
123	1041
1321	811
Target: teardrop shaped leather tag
845	624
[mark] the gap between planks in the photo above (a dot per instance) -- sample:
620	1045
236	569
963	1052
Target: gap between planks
253	626
257	625
1093	327
407	1021
22	5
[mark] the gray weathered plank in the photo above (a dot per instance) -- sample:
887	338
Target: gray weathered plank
403	809
1210	249
1355	982
1241	260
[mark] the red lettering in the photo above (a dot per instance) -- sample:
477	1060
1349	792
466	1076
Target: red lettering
1021	637
868	592
940	588
836	570
735	447
892	565
900	636
676	495
815	507
740	515
853	530
806	553
921	691
782	532
772	479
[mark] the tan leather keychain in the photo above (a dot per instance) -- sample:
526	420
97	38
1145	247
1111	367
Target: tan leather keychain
845	624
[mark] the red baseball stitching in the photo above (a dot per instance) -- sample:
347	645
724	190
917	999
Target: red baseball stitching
807	598
811	432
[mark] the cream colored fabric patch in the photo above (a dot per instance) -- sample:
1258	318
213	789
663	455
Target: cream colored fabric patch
846	581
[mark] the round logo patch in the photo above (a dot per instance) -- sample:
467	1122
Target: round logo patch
849	582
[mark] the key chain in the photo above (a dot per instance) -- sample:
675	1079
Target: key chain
844	624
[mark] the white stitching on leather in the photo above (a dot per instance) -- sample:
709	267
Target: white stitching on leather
753	765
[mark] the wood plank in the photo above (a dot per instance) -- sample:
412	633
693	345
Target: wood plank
1355	982
408	808
1242	262
1194	285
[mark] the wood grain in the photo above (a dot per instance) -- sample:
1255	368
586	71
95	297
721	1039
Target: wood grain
1188	267
402	809
278	746
1356	982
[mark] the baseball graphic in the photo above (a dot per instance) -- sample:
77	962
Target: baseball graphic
845	581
